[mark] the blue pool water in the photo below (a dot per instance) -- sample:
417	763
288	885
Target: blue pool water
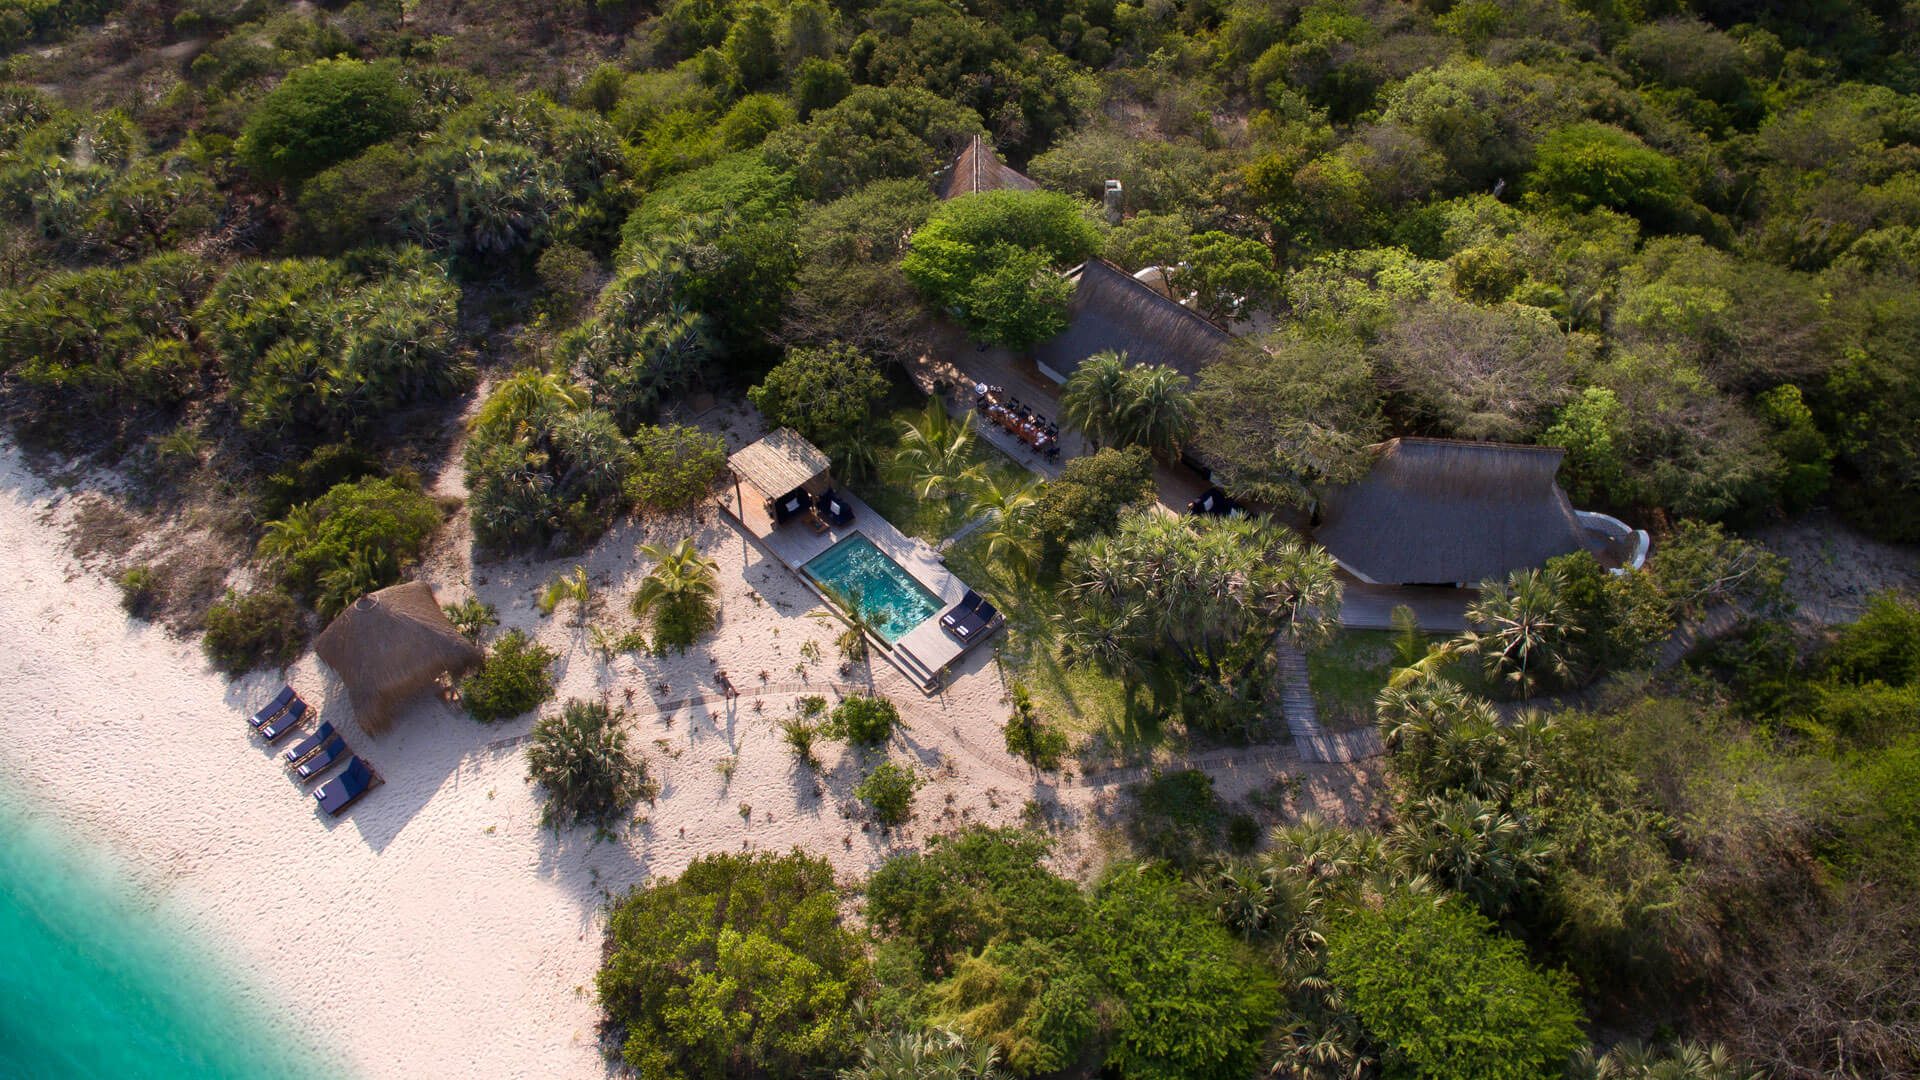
887	595
95	984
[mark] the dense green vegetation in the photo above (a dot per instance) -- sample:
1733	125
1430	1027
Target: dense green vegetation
261	255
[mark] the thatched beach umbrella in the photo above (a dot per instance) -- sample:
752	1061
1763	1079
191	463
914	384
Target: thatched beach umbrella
390	645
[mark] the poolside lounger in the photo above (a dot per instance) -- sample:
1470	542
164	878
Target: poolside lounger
340	792
273	708
305	747
833	508
961	610
318	763
277	728
975	621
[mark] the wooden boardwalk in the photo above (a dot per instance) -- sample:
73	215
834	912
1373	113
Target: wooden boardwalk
1314	742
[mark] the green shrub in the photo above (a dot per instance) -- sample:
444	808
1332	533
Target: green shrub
1449	998
261	629
472	617
1194	1004
324	113
889	789
863	720
580	758
356	538
324	469
543	468
1030	737
515	678
827	394
1176	817
674	467
987	257
140	591
740	967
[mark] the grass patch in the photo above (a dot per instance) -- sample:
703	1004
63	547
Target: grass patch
1348	673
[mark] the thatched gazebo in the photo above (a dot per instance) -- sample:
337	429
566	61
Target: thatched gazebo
390	645
786	469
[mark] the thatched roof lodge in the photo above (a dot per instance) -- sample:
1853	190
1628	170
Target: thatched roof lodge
1112	310
1449	512
978	169
390	645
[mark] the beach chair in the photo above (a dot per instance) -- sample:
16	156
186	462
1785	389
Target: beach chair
305	747
342	791
961	610
277	728
324	757
273	708
832	507
975	622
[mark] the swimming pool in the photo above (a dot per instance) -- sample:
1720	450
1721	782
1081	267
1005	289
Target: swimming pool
892	601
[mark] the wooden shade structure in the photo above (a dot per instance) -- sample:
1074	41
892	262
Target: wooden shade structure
388	646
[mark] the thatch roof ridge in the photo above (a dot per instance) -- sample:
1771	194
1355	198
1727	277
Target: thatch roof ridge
1111	309
391	644
977	168
779	462
1434	511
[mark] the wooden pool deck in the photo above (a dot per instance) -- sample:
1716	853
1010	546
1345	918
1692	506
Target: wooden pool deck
923	653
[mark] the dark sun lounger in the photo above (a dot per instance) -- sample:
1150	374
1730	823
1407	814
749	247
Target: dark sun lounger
961	610
340	792
322	758
307	746
275	707
277	729
975	621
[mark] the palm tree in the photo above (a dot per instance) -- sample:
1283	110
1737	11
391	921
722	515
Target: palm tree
1008	509
939	1054
1096	396
581	758
1633	1060
1158	413
1472	847
678	593
938	452
1523	629
1242	899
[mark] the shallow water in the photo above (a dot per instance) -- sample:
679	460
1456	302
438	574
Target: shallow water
95	983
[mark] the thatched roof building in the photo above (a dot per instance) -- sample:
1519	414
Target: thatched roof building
390	645
781	464
1111	310
1447	512
978	168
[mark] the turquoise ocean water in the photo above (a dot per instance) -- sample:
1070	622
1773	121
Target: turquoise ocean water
92	984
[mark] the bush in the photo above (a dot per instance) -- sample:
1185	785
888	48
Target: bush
472	617
740	967
543	467
825	393
988	257
1176	817
324	113
1088	498
140	591
674	467
863	720
1449	998
515	678
260	629
889	789
1193	1004
356	538
1030	737
581	758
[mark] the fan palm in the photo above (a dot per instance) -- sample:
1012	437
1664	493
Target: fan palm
1523	629
1158	413
573	586
581	758
939	1054
937	451
1095	398
1472	847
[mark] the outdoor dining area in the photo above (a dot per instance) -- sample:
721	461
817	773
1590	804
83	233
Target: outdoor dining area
1035	432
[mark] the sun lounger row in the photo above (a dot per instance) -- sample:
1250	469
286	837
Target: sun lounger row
970	618
314	754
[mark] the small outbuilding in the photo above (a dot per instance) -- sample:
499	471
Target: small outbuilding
390	645
786	469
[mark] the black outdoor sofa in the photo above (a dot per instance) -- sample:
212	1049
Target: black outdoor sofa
833	508
1213	502
970	617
